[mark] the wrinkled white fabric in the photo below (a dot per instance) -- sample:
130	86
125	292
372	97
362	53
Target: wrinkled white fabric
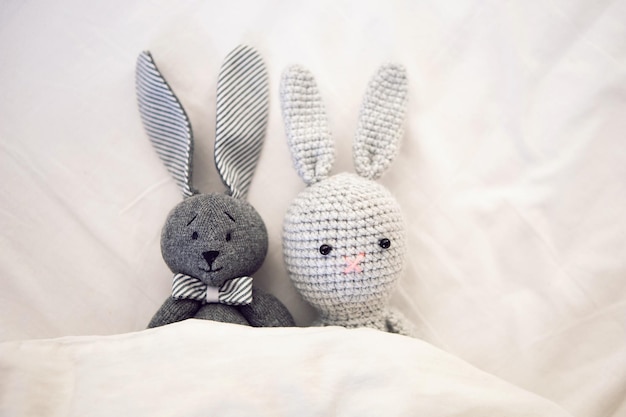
511	172
200	367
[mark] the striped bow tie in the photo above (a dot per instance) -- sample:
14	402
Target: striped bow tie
235	292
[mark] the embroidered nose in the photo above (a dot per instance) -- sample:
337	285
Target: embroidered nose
353	264
210	256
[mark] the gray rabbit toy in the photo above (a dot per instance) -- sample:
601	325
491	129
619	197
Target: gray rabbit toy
213	243
343	236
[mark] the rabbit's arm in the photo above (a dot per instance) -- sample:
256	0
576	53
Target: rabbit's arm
222	313
266	311
174	310
397	323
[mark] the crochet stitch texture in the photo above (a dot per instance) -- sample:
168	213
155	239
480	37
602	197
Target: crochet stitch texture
352	215
343	236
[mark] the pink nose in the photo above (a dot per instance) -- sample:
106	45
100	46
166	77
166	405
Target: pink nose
353	264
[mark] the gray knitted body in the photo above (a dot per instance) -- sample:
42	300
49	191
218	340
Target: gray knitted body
343	236
215	237
213	243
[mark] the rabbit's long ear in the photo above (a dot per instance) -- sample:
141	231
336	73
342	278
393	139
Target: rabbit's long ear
242	113
306	125
381	120
165	122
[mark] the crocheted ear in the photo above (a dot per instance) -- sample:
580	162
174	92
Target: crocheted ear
306	125
380	122
242	113
165	122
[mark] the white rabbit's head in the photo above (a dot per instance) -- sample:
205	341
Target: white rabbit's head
343	236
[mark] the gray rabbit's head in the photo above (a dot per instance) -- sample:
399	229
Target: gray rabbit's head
213	237
344	236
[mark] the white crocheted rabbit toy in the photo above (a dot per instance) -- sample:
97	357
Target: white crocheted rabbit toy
343	236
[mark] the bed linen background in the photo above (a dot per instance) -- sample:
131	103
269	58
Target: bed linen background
512	172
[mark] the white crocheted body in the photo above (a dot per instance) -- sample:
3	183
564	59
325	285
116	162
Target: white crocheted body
351	284
388	320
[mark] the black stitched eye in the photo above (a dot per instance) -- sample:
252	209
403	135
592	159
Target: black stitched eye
228	237
194	235
325	249
384	243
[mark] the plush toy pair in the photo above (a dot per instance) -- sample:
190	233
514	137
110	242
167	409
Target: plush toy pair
343	236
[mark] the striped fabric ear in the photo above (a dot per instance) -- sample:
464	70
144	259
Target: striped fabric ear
165	122
242	114
306	125
381	120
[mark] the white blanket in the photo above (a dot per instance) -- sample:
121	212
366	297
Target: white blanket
202	368
512	176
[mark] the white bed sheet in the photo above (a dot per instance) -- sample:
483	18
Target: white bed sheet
199	368
512	171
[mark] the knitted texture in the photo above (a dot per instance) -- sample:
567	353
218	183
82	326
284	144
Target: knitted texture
306	125
380	122
212	239
343	237
350	285
265	311
215	238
